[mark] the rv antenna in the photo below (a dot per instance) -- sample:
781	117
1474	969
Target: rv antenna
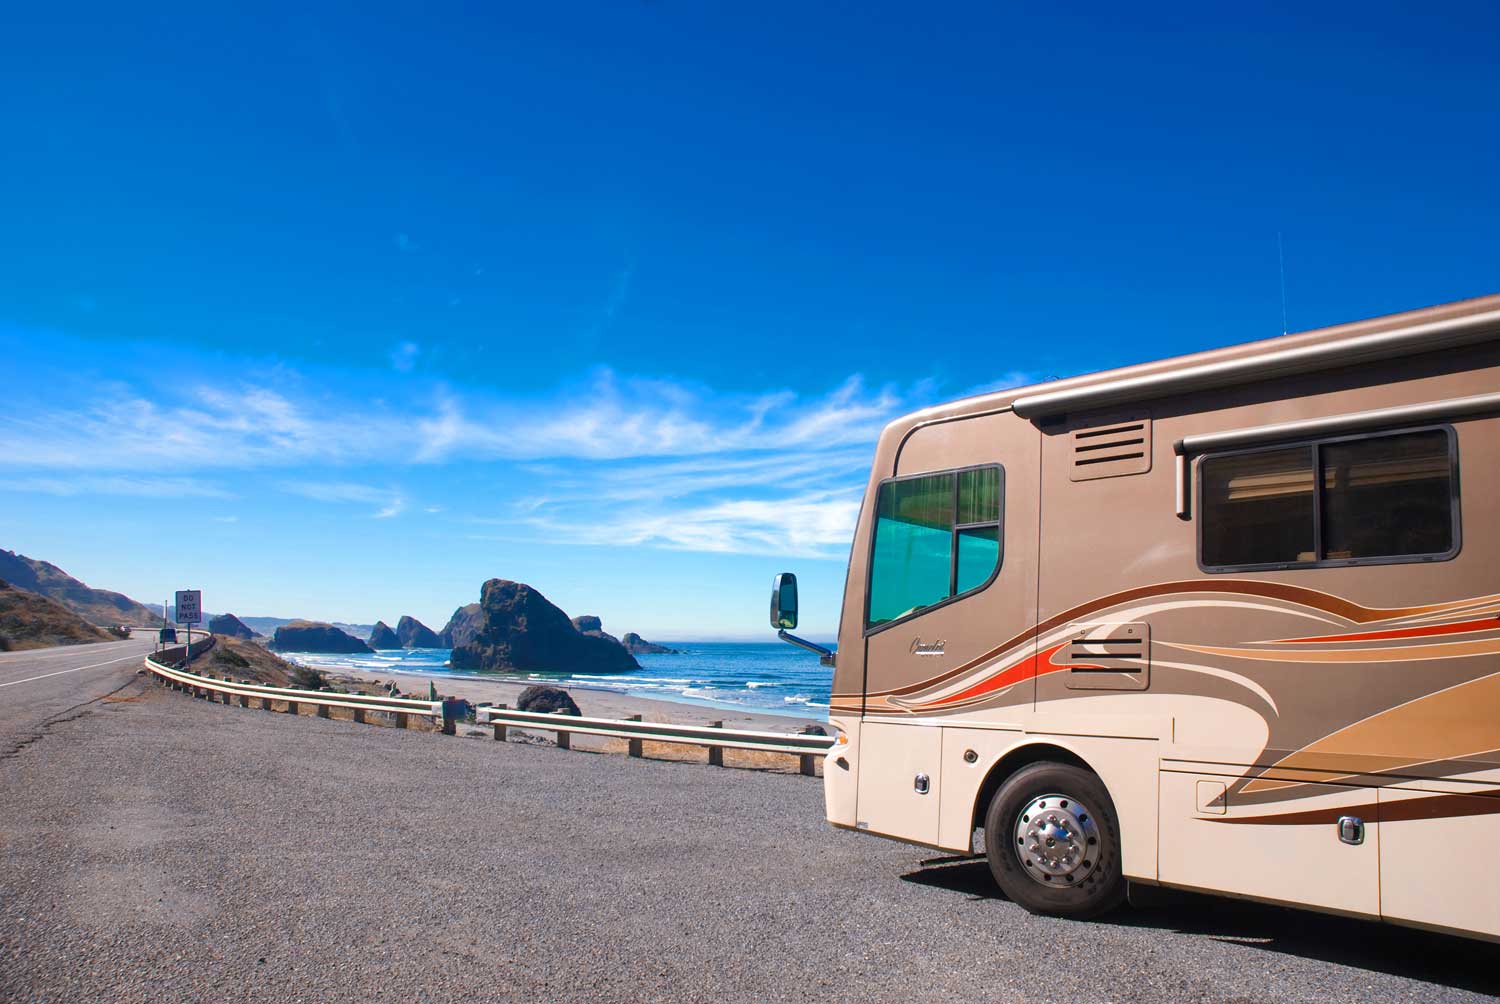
1281	258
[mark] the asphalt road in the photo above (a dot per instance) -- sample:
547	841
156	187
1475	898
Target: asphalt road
158	848
41	685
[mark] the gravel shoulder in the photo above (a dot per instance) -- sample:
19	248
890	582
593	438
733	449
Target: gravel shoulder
160	848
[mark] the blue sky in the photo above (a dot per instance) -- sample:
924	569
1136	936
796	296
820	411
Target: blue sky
337	314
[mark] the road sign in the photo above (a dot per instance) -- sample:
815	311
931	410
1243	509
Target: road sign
189	606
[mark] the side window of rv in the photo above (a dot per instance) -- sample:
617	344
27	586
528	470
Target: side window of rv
1390	497
936	537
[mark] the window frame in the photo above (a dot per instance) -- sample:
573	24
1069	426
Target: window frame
954	530
1316	443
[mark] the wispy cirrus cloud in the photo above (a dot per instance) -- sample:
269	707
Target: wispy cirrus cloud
136	486
606	459
388	502
604	418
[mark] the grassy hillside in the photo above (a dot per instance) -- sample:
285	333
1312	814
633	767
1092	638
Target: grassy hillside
97	606
31	621
243	659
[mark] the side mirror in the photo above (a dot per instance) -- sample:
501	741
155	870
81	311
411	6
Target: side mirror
784	602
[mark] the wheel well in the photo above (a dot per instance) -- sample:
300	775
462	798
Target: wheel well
1014	761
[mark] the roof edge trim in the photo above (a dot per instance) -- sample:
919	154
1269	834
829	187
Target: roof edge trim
1430	336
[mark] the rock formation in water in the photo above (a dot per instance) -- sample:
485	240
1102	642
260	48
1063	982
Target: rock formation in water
314	636
229	624
520	629
412	633
381	636
636	645
461	627
593	627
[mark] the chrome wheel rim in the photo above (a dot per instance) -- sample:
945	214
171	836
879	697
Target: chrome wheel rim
1057	840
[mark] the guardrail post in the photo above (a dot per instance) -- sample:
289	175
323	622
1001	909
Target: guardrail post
400	719
244	698
450	716
291	707
636	746
807	768
564	739
265	704
500	730
322	710
716	753
359	716
225	695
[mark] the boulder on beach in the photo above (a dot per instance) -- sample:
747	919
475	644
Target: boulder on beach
520	629
229	624
381	636
461	627
547	701
636	645
315	636
412	633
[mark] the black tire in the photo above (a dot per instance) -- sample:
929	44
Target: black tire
1102	885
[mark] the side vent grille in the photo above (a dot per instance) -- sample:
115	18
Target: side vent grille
1120	446
1108	656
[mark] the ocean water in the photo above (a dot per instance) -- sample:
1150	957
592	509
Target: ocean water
767	677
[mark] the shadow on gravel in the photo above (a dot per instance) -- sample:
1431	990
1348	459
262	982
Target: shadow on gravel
1438	959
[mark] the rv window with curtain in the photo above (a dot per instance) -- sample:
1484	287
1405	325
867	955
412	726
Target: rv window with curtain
936	537
1387	497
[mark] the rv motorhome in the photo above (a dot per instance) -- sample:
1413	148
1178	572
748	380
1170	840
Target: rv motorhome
1228	622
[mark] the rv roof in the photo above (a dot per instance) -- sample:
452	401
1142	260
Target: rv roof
1444	326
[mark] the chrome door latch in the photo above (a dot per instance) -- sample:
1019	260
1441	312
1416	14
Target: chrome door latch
921	784
1351	830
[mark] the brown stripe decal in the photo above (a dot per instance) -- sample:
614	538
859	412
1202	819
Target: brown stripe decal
1396	811
1300	595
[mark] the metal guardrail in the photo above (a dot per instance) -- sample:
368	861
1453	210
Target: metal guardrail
228	689
713	737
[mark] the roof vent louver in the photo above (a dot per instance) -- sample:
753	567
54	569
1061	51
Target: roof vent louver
1119	446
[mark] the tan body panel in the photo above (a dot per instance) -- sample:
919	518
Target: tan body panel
1302	692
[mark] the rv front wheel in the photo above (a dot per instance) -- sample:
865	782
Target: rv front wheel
1053	841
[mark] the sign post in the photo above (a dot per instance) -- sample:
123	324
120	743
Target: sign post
189	612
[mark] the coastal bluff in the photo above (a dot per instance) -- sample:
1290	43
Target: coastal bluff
315	636
230	625
517	628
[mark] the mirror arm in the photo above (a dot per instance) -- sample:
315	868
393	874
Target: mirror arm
825	656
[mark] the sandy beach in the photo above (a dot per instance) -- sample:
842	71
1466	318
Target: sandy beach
603	704
595	702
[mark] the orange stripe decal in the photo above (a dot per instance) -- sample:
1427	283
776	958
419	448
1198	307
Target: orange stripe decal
1462	627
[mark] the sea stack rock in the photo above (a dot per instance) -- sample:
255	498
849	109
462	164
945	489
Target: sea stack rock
412	633
636	645
383	637
520	629
315	636
461	627
593	627
229	624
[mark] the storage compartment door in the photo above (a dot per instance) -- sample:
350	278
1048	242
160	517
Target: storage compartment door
1288	851
893	760
1437	859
